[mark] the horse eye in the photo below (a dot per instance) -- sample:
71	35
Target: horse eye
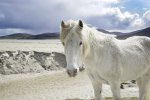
80	43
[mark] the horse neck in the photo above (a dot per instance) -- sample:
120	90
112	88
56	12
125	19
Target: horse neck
95	39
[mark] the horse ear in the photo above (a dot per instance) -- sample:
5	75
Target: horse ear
63	24
80	24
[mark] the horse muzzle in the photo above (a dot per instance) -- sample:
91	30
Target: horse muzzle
72	73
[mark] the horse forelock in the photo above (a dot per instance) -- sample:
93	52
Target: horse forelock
71	27
64	33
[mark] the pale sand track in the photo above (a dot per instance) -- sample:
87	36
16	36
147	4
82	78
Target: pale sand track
51	86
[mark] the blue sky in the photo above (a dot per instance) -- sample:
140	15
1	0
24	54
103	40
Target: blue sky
135	6
38	16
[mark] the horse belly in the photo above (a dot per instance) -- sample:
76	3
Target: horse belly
134	59
134	72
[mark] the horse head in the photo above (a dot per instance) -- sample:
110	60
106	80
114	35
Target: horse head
70	35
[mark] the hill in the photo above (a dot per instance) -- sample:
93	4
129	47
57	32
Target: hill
16	36
142	32
45	36
30	36
107	32
120	35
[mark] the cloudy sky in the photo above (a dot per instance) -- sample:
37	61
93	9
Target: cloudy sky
38	16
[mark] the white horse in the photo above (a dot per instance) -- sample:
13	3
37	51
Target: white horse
107	59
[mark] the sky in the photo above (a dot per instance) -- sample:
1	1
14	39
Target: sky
40	16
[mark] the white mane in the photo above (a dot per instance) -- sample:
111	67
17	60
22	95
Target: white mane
91	36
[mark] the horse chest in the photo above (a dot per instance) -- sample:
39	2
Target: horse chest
105	64
102	72
93	75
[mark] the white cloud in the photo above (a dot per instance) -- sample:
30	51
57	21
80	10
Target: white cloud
137	24
146	18
144	9
86	7
13	30
114	18
141	22
46	15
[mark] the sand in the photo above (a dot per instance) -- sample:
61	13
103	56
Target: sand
53	45
39	73
53	86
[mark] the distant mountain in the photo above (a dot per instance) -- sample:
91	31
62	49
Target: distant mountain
29	36
120	35
45	36
107	32
104	31
16	36
142	32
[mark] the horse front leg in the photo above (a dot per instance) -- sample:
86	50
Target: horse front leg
97	90
97	86
115	88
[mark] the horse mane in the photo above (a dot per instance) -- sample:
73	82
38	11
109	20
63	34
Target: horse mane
92	36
